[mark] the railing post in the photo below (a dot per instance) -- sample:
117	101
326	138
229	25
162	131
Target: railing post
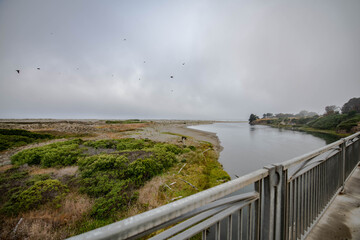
281	203
273	219
343	159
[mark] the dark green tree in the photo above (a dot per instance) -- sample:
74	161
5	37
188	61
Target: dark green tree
352	105
252	118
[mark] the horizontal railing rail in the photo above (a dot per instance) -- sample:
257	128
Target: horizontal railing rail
280	201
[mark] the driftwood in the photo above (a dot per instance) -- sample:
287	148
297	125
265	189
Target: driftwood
181	168
189	184
17	225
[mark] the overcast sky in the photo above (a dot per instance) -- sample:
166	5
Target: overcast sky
114	59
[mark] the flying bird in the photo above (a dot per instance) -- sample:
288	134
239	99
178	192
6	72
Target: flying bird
171	76
144	61
18	71
38	68
124	39
183	64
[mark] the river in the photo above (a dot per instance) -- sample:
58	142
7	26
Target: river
248	148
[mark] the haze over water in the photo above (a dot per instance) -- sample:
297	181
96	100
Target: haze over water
248	148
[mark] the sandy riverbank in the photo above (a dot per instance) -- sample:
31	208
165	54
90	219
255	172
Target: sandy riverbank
170	131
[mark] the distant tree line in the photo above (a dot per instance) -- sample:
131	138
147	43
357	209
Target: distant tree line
352	107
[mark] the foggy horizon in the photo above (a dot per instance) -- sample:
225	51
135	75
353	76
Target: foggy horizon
203	60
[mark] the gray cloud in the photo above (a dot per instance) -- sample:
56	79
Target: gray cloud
240	57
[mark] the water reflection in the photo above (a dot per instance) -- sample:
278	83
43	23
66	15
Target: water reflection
250	147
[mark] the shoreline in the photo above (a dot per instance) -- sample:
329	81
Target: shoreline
170	131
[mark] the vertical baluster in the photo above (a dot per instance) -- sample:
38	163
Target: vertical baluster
249	222
297	207
204	234
308	183
229	230
298	202
305	202
317	189
217	231
301	204
240	216
323	185
312	195
289	211
293	219
258	188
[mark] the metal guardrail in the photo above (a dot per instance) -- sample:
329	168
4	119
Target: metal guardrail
281	201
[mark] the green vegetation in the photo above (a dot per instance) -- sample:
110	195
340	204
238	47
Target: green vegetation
15	138
349	123
331	122
111	173
20	192
113	179
56	154
327	122
41	192
253	118
337	125
124	121
121	144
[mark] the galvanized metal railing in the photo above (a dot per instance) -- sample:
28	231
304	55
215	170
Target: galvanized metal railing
280	201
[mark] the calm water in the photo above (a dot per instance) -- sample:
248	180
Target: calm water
248	148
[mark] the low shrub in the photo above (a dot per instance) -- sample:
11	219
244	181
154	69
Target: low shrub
117	199
134	144
101	144
41	192
56	154
121	144
114	165
11	181
347	125
170	148
327	122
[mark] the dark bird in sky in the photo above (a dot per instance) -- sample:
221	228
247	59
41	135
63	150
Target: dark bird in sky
18	71
183	64
171	76
144	61
124	39
139	79
38	68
